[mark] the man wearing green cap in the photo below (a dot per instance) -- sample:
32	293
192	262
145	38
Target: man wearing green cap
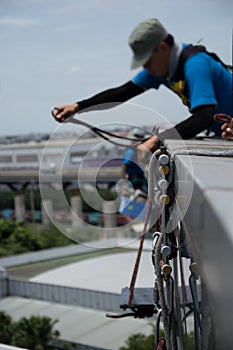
201	79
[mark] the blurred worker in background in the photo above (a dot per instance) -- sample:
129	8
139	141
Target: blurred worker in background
132	170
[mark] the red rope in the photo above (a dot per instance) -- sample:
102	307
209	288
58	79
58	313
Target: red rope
136	266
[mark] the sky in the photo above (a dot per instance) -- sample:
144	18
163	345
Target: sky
56	52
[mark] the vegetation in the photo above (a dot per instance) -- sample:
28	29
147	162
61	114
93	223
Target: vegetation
19	238
141	341
33	333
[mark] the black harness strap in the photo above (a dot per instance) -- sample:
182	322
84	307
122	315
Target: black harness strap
179	86
191	50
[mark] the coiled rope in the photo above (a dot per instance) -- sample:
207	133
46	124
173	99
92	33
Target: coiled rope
169	322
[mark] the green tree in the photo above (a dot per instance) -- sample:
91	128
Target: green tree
6	328
34	333
139	341
19	238
7	226
24	238
52	238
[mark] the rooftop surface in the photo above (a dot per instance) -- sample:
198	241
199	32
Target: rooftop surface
84	326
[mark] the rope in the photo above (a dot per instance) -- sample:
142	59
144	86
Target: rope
105	134
102	133
136	266
169	321
201	152
167	303
164	309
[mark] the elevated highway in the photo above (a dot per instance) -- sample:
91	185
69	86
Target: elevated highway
75	160
85	175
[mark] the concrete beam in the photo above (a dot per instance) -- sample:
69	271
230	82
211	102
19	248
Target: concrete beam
208	221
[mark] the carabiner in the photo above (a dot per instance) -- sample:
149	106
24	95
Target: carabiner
54	109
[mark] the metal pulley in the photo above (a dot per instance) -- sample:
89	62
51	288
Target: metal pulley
163	184
164	199
164	169
165	250
163	159
165	268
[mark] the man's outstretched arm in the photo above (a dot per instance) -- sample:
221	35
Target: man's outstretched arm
102	100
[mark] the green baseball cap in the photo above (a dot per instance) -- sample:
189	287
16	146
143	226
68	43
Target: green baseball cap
145	37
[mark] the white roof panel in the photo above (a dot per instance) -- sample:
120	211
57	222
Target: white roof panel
77	324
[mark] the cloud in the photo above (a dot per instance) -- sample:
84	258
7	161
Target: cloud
19	22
